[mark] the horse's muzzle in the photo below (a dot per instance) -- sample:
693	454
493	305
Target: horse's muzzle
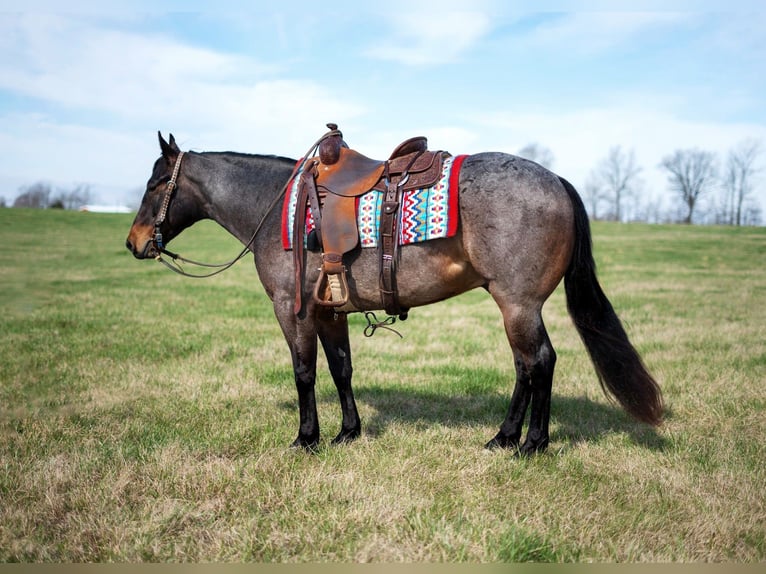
149	251
140	241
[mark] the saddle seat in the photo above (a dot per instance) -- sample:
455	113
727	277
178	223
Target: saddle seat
331	185
346	172
352	175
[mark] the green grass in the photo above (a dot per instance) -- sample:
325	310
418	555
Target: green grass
146	417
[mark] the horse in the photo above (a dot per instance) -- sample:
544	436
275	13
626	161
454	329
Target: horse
521	229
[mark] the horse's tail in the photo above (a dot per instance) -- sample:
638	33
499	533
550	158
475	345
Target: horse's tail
620	370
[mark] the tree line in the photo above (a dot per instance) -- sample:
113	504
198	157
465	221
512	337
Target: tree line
41	195
703	187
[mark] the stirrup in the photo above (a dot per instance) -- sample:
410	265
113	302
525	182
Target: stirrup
338	288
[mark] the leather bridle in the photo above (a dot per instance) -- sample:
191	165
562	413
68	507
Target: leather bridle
157	241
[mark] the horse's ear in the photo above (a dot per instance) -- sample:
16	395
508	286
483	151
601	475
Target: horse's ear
169	149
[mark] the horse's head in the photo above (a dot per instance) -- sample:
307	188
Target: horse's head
166	208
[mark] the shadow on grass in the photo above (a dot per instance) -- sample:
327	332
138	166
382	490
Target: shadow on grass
573	419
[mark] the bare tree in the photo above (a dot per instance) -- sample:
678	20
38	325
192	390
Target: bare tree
593	196
36	196
616	178
738	179
648	210
537	153
752	214
74	198
692	173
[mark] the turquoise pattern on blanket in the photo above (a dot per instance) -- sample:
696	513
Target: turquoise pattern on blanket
424	215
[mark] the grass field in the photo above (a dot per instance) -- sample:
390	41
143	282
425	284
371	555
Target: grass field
146	417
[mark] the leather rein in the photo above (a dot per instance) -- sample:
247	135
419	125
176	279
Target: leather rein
175	259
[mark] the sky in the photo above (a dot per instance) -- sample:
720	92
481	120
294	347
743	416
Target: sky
84	87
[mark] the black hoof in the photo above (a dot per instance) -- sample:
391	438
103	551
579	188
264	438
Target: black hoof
530	449
504	442
307	444
346	436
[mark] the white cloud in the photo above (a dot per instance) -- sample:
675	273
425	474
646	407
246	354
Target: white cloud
76	64
435	37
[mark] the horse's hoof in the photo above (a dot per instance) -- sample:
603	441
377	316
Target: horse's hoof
530	448
347	436
309	445
500	441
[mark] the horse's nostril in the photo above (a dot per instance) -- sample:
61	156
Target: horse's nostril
129	245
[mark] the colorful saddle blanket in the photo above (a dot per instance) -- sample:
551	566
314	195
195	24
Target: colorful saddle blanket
425	214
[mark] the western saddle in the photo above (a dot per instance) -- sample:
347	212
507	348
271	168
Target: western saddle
330	184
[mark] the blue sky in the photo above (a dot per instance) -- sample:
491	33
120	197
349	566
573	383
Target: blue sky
84	88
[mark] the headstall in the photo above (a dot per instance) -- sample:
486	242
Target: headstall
169	189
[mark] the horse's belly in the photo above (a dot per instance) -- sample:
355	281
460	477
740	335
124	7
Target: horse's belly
426	273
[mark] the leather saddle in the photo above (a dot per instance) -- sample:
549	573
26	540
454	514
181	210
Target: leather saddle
330	184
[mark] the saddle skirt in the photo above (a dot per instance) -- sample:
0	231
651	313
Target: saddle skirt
425	214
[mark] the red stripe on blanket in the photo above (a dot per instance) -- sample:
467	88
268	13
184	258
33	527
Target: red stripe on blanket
454	178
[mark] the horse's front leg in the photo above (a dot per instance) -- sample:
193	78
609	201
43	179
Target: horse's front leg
304	355
333	333
305	377
301	336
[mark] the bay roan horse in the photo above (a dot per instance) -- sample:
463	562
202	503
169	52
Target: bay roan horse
521	230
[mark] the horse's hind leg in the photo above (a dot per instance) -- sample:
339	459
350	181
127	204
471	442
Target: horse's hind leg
509	435
333	333
535	360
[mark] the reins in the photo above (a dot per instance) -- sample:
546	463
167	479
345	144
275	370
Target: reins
176	259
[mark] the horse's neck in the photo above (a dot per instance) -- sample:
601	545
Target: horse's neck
241	191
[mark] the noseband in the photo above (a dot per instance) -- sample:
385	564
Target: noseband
169	189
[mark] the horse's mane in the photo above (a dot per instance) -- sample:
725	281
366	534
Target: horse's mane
242	159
